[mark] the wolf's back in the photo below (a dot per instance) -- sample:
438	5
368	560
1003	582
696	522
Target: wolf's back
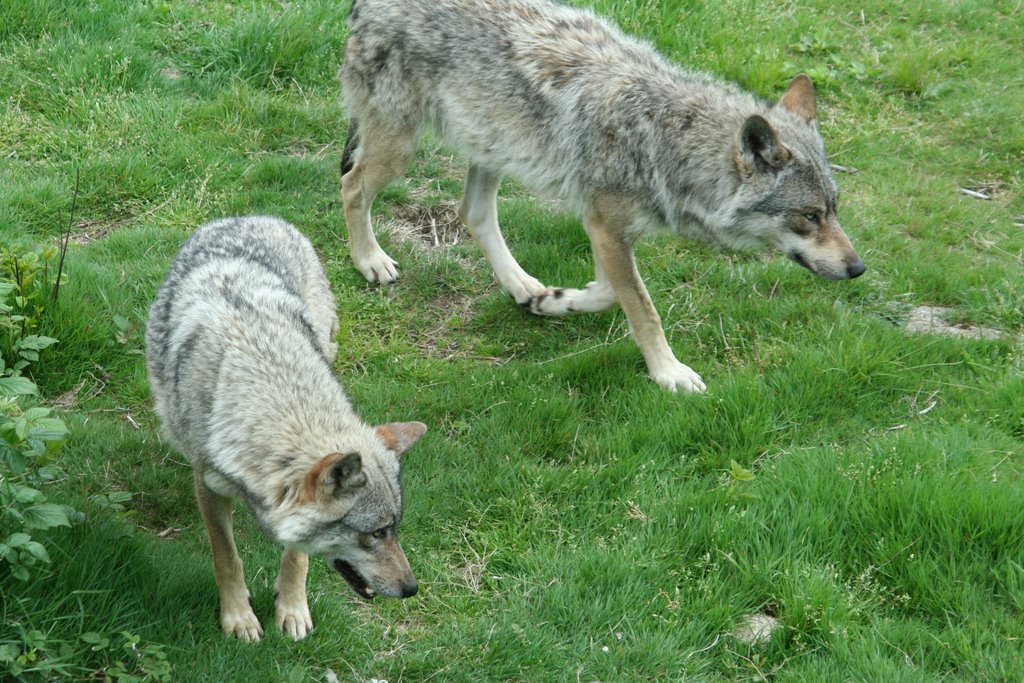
235	297
551	95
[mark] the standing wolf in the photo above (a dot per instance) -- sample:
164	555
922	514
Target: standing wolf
240	357
560	100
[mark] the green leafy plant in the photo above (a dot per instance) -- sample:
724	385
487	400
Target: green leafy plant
128	660
123	657
28	440
739	483
29	436
27	284
31	655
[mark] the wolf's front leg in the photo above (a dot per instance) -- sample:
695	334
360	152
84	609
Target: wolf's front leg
479	213
292	608
613	253
236	615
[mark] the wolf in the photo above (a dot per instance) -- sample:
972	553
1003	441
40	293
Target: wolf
239	350
574	109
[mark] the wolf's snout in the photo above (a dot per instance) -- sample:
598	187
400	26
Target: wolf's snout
855	269
830	269
410	587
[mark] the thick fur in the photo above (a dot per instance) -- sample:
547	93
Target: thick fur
239	350
562	101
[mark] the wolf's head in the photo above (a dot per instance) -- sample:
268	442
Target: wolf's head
787	197
348	510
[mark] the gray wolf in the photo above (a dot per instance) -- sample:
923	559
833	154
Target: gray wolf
239	351
571	107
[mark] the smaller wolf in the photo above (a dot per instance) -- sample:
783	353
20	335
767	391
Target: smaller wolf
565	103
239	351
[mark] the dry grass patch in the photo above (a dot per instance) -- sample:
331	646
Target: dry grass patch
435	226
89	230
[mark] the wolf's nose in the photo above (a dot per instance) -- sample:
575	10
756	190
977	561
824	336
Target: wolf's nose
855	269
410	589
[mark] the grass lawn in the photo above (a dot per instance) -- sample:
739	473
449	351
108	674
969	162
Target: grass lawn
567	519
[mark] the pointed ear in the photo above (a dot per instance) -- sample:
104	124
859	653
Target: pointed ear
335	474
346	474
399	437
799	98
760	147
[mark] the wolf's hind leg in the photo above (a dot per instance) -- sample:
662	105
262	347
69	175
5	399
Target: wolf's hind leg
291	606
375	156
479	212
236	615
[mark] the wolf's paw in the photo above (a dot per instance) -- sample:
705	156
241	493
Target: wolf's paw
377	267
294	620
679	377
564	301
241	623
554	301
522	287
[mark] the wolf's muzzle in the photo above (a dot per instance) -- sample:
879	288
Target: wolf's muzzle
855	269
799	258
410	588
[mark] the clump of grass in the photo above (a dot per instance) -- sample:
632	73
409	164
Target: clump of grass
270	48
915	74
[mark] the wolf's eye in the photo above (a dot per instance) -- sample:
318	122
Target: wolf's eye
813	217
380	534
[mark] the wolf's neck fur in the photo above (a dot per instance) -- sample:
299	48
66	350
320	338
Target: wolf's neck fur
278	435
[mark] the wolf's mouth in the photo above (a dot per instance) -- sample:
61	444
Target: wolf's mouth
353	579
799	258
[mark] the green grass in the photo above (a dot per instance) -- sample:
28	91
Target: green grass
567	519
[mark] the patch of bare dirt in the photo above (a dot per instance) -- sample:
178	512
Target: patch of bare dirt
69	399
936	320
72	398
434	229
440	336
89	230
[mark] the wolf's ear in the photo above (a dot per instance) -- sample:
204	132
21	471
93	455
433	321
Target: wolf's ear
347	473
336	474
760	147
799	98
399	437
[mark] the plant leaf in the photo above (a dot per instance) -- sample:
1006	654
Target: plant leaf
26	494
16	386
38	551
46	515
36	342
740	473
17	540
36	413
49	424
